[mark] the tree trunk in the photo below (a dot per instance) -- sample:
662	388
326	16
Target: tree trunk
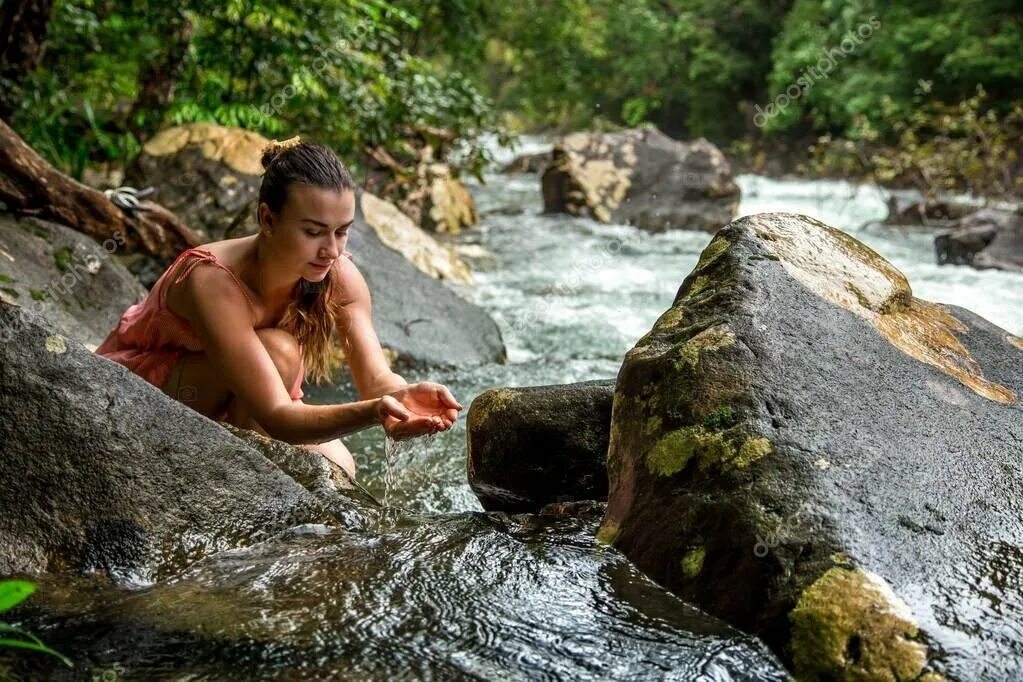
23	25
29	185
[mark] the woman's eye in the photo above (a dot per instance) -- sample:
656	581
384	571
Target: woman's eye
312	234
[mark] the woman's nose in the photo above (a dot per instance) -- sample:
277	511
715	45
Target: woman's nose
332	248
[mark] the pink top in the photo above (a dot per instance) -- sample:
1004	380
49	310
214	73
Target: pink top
150	337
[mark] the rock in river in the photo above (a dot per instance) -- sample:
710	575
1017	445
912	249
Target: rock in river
805	449
641	177
528	447
104	472
989	238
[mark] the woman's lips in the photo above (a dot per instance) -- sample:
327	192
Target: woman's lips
320	267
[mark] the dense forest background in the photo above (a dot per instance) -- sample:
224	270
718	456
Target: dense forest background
906	92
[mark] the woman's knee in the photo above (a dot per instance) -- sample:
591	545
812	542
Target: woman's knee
336	452
283	349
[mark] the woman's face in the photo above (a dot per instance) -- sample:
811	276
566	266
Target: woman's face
311	228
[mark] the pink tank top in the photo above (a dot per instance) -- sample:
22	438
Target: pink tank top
150	338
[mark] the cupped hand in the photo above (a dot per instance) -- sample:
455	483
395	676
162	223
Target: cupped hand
431	409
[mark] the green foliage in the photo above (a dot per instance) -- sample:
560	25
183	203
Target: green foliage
405	74
12	593
952	45
687	66
939	148
337	71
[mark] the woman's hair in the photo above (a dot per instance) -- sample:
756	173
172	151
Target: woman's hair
311	316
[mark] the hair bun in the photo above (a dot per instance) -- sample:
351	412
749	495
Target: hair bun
273	149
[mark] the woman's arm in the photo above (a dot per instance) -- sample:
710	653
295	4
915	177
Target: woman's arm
219	313
370	372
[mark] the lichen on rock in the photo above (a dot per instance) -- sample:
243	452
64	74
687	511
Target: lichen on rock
850	625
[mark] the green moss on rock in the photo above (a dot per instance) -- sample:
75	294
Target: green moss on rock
62	258
721	418
711	449
712	339
713	251
608	533
751	450
850	625
692	562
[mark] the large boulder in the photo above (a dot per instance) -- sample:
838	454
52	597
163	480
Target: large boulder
65	276
641	177
104	472
417	317
986	239
207	174
803	448
528	447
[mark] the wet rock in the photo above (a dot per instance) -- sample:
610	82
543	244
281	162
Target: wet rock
921	212
103	472
77	284
986	239
802	447
532	446
641	177
399	232
528	163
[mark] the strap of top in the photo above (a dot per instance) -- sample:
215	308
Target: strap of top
203	256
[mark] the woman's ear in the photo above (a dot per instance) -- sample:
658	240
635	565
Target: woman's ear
265	218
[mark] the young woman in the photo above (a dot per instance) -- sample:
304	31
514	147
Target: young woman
231	327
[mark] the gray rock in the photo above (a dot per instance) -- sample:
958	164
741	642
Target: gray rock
986	239
103	472
803	448
920	212
641	177
528	163
65	276
528	447
417	317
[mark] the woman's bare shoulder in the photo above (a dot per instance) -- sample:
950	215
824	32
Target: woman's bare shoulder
353	285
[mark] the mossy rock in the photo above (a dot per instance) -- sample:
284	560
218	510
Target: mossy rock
802	447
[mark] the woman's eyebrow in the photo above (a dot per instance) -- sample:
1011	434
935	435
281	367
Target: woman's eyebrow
319	224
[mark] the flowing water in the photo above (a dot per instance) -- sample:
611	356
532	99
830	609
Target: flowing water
443	590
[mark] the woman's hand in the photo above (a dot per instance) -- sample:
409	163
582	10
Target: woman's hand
431	409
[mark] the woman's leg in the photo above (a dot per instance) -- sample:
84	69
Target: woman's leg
196	382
